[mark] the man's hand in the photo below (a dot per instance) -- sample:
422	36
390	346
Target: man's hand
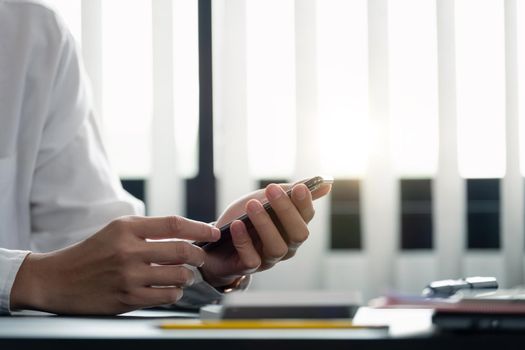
272	242
116	270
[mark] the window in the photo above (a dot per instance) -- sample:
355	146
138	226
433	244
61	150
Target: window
416	214
483	213
345	222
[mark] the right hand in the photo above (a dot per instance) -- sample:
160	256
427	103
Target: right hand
116	270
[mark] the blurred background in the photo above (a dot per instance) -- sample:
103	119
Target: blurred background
416	107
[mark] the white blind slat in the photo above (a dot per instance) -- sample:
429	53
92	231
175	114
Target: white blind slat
342	53
127	84
480	67
413	86
271	87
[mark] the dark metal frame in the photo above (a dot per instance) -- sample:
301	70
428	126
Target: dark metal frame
201	192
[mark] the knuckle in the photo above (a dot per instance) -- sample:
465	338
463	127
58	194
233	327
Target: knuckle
242	244
134	298
186	276
123	223
175	223
183	251
120	229
127	298
309	214
282	252
178	275
172	295
253	263
119	225
124	252
264	222
278	252
126	280
301	237
120	255
286	207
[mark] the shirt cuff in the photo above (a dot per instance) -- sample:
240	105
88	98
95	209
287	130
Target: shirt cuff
10	262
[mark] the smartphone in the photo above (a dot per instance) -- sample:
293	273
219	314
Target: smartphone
312	183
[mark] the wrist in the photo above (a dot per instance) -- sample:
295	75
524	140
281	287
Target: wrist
27	290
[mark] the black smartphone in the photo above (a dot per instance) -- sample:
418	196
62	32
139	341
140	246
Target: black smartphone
312	183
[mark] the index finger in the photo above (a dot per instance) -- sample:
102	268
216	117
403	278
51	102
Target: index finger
162	227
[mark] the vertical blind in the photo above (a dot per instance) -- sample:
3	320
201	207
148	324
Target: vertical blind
480	67
413	84
380	92
342	66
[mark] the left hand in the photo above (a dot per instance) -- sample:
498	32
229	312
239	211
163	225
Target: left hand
273	240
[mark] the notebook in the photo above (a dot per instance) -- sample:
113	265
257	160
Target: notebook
285	305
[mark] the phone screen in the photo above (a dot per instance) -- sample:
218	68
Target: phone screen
312	183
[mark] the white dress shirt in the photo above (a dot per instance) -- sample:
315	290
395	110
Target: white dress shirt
56	185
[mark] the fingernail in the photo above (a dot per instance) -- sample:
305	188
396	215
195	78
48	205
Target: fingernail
274	191
254	207
300	193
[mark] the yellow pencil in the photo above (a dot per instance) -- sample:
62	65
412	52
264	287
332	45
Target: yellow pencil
264	324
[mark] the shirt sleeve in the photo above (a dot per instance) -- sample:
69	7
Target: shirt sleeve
10	261
75	191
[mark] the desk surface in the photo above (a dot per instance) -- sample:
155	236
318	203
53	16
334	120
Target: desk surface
409	329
